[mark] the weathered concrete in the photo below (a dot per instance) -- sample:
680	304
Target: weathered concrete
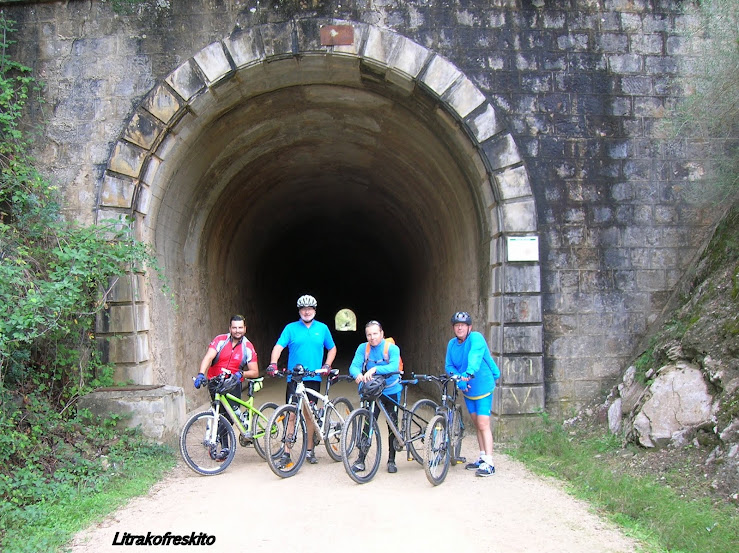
230	134
158	410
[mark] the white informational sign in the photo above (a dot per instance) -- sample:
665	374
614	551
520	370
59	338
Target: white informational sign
523	248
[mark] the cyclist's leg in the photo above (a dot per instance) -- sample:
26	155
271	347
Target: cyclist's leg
314	385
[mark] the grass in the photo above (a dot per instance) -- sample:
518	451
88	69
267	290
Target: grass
645	507
50	526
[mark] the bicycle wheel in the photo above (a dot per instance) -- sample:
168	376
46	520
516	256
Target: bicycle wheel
200	453
287	445
362	456
259	427
456	433
334	424
436	444
415	426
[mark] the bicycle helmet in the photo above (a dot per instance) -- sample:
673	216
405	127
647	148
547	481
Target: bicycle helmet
461	317
307	301
372	389
226	383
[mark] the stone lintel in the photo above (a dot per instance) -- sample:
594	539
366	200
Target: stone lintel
501	151
143	130
244	48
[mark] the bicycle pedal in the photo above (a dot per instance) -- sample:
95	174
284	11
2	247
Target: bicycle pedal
458	460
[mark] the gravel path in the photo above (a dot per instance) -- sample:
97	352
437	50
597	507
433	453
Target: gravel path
248	508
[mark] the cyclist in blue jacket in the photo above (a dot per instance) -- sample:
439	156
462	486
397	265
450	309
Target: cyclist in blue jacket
468	355
365	365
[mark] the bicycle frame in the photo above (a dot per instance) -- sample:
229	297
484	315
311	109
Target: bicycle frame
248	404
370	405
304	394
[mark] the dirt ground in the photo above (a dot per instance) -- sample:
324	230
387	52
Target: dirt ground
248	508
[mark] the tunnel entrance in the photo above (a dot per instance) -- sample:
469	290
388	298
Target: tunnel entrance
374	177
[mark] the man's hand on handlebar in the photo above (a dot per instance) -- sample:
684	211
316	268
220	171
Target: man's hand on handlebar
272	369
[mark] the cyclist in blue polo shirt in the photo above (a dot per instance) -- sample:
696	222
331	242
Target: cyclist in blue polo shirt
467	355
364	366
305	339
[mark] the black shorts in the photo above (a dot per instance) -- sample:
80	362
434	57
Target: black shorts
292	385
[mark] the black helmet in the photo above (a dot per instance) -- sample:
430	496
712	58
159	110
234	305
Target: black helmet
226	383
372	389
461	317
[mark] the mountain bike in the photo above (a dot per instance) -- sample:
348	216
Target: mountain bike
287	445
208	439
363	443
443	440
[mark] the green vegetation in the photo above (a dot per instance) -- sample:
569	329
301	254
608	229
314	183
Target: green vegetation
649	509
54	278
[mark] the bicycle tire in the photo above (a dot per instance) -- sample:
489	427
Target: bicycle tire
197	453
415	426
456	433
437	453
259	426
276	442
366	445
336	416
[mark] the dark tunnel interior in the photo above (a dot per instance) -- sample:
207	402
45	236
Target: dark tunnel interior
363	199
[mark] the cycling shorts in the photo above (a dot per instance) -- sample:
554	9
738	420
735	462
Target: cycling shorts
480	406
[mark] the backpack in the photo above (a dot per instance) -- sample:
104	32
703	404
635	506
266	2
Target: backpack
385	354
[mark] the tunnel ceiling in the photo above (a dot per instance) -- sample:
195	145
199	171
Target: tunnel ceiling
354	194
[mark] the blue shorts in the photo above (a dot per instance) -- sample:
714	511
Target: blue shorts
482	406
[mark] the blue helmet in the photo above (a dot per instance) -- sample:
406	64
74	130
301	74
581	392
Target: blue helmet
461	317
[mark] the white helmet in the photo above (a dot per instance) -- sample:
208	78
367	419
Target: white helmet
307	301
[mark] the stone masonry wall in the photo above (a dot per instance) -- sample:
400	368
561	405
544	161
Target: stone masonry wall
582	85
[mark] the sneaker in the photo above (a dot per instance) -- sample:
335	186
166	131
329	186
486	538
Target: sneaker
222	455
358	466
311	456
473	466
485	470
284	462
391	468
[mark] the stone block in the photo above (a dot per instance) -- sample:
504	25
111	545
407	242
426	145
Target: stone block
485	124
408	57
213	62
143	130
116	318
116	192
244	48
161	103
501	151
522	309
513	183
519	400
127	159
185	81
159	411
464	97
522	339
440	75
126	348
625	63
379	46
277	39
127	288
522	279
522	370
519	216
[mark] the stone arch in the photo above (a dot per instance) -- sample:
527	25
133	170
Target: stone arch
295	63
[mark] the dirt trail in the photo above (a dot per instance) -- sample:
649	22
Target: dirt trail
248	508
